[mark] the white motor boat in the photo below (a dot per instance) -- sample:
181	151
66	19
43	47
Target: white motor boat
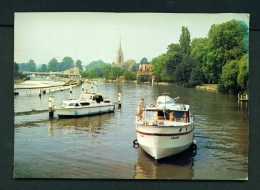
165	128
87	104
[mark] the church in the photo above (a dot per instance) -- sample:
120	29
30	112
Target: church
144	70
119	54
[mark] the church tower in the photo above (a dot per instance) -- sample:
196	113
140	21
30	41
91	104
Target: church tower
119	53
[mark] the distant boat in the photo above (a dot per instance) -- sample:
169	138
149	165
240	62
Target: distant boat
165	128
88	104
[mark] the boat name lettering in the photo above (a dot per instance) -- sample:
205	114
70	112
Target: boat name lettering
175	137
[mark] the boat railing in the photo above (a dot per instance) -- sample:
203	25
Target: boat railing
162	119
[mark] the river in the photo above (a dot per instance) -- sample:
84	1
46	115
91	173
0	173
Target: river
101	147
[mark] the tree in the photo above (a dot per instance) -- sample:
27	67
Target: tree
31	66
22	66
196	76
129	75
229	76
226	42
242	77
43	68
183	71
52	65
66	63
16	67
78	64
107	72
116	72
159	69
144	60
174	51
185	41
199	49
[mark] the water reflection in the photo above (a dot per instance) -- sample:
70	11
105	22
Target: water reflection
50	128
175	167
101	146
93	124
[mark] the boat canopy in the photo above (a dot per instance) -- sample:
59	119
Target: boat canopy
162	100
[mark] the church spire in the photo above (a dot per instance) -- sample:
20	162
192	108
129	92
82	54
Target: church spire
119	53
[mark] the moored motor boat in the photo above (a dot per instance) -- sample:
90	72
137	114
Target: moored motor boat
165	128
87	104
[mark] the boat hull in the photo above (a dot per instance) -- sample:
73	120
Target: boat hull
84	111
162	141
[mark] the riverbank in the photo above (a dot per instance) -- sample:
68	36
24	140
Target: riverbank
211	87
19	80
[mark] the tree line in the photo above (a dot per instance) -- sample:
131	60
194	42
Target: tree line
99	69
53	65
220	58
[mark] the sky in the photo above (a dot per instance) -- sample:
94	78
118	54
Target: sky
95	36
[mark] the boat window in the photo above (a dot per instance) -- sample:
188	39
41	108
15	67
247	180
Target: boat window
64	105
85	104
163	115
179	114
150	114
71	104
97	99
77	104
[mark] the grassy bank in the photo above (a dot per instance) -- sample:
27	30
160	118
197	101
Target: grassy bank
211	87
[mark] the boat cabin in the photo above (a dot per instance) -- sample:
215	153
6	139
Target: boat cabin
85	100
92	97
166	115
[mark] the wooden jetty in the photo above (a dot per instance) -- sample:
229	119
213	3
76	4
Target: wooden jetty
44	87
242	98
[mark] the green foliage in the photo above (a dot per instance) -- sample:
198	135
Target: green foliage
31	66
78	64
22	66
43	68
16	67
66	63
84	74
129	75
229	75
183	72
95	68
185	42
52	65
196	76
199	49
242	77
144	60
159	69
174	59
226	42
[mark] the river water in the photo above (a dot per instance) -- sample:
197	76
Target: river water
101	147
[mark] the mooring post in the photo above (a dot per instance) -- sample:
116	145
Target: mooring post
119	100
82	88
51	107
40	93
70	91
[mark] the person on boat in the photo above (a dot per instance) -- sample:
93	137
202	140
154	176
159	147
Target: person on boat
140	106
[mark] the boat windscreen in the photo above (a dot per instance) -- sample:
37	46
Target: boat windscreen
150	114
